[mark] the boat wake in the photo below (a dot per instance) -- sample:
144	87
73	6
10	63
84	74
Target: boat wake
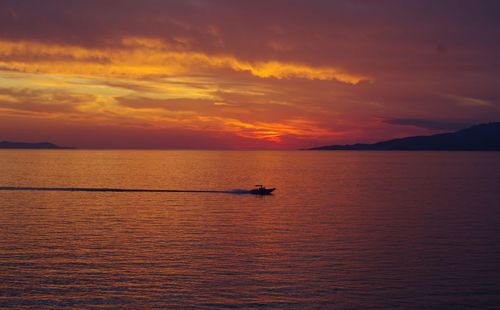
239	191
121	190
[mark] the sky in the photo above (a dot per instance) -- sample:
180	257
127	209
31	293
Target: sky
236	74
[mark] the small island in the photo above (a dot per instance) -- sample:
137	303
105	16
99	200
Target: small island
27	145
484	137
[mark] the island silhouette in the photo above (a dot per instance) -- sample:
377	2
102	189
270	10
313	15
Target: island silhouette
27	145
483	137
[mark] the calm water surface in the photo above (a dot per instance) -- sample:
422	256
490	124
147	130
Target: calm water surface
344	230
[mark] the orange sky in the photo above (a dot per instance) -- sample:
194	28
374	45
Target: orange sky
244	74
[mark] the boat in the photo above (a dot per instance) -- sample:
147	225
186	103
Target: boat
261	190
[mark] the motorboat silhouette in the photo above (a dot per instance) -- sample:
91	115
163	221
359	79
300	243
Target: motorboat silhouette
261	190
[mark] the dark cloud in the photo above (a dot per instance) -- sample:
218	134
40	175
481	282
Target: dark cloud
351	33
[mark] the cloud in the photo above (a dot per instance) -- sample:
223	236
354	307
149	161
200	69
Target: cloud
140	57
469	101
202	114
177	104
428	124
40	102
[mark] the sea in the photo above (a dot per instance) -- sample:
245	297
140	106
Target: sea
343	230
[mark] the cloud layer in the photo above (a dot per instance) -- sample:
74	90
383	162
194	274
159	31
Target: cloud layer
245	74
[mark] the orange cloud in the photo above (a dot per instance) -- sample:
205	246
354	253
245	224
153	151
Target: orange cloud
139	57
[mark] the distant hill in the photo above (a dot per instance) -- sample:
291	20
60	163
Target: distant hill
25	145
484	137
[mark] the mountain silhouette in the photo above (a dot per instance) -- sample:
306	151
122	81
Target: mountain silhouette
484	137
26	145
